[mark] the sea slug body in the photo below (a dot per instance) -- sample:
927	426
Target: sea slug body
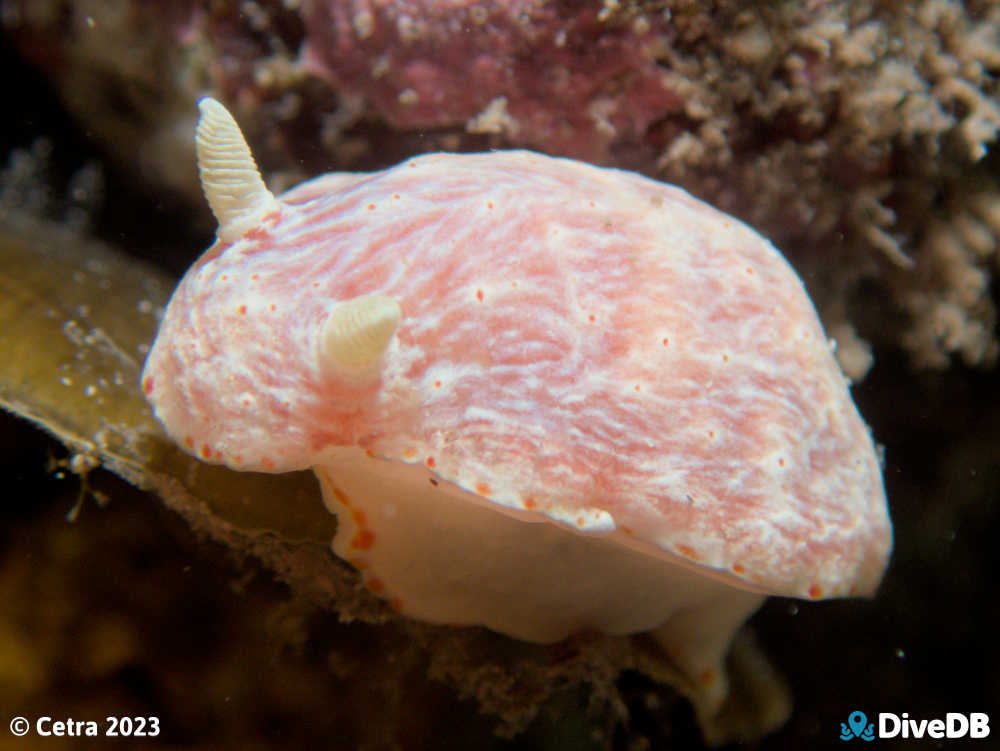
540	396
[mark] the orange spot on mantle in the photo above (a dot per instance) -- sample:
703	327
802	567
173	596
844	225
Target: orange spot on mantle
340	495
688	552
147	386
484	490
363	540
815	592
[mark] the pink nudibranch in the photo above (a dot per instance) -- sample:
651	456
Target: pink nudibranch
540	396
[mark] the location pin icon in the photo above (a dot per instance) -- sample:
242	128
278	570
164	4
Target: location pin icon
857	721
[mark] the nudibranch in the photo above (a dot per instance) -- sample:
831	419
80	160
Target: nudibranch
540	396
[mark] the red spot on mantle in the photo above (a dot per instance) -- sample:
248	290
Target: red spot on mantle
430	462
147	386
479	295
363	540
206	451
815	592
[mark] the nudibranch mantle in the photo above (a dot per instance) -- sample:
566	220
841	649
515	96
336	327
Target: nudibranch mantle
636	382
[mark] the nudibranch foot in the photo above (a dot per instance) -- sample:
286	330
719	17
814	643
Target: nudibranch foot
697	641
442	554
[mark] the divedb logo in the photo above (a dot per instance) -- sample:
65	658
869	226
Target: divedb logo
975	725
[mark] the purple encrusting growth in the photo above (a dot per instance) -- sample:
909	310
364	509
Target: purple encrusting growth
570	82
